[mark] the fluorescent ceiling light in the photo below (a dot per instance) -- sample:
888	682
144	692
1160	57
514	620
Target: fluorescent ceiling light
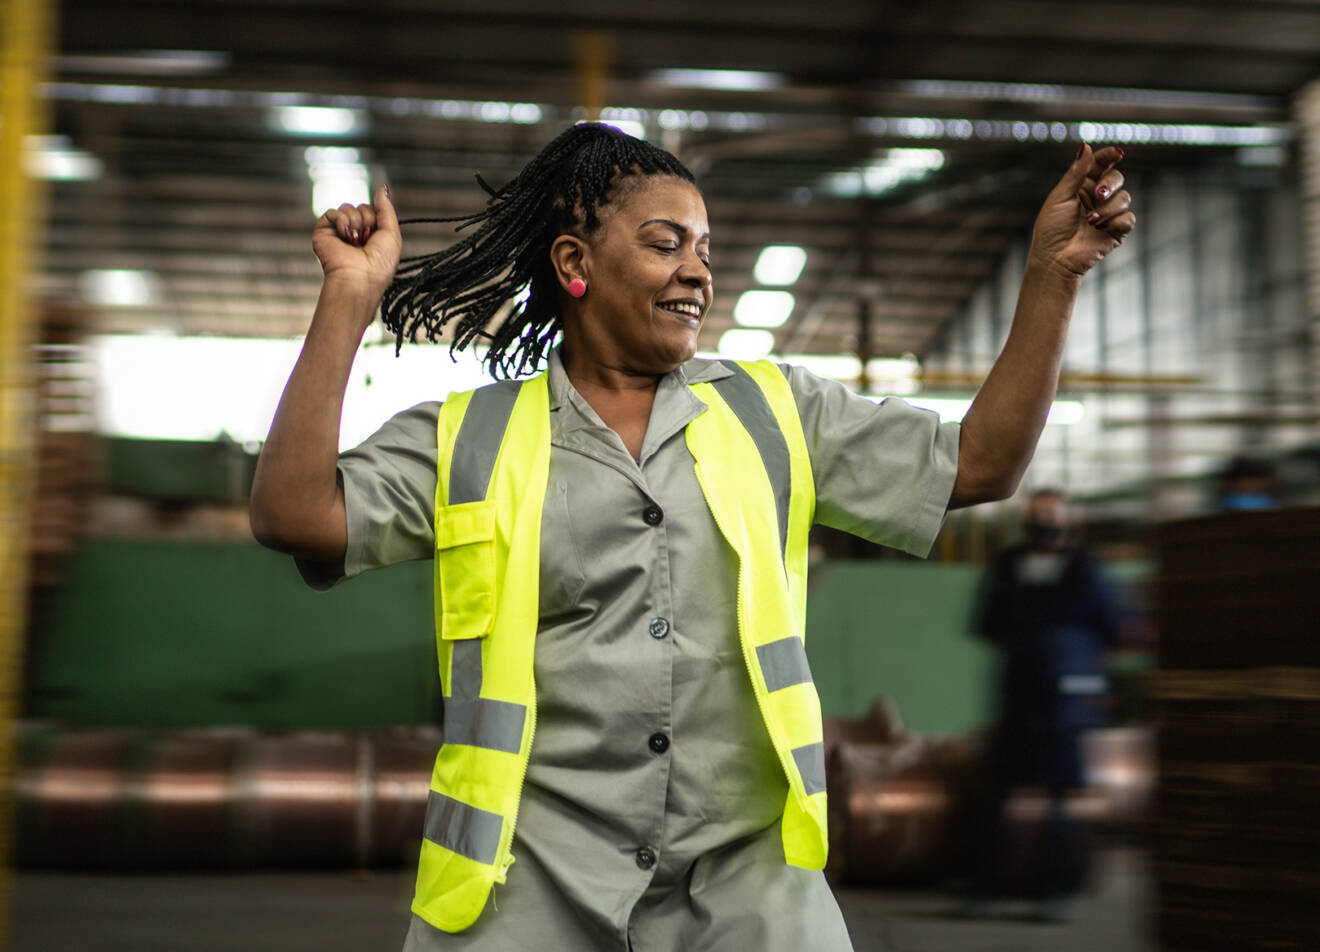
56	159
1020	130
145	62
763	308
112	287
1263	155
1093	95
338	177
318	120
887	171
894	375
630	121
739	80
634	129
780	264
743	344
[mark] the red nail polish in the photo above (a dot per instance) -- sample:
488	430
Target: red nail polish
357	236
387	193
1092	218
366	233
1102	192
1121	153
1081	149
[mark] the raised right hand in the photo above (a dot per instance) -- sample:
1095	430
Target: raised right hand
360	244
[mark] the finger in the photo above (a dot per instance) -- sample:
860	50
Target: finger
350	227
386	219
1109	183
1075	177
1120	227
1109	157
368	215
1107	212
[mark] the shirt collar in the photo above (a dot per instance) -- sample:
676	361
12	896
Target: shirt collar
696	370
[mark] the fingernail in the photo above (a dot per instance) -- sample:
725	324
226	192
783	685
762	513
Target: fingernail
387	193
1121	153
1081	149
366	232
357	236
1092	218
1102	192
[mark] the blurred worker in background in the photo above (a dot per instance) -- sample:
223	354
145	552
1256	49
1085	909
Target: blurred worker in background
1053	617
1248	483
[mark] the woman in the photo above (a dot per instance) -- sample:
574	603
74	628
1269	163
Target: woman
621	544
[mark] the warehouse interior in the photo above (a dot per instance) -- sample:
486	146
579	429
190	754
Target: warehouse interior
206	754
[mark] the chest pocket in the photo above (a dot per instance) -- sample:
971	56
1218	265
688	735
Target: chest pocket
562	577
465	569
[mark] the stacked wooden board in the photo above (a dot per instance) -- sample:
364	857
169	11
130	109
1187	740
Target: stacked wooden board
1237	842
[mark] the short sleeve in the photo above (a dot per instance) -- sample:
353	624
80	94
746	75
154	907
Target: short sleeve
884	471
389	498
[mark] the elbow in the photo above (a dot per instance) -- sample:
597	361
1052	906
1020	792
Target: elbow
265	525
306	532
975	485
985	476
272	525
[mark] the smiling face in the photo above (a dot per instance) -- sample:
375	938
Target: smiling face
647	270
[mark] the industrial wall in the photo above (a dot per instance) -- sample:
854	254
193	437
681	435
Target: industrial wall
1206	303
166	633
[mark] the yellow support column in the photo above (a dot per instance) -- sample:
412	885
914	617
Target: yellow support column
592	54
26	28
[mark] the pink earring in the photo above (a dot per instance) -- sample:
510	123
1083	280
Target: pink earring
577	287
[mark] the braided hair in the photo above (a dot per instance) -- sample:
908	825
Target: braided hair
557	192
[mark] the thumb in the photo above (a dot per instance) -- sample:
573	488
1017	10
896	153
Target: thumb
386	219
1076	175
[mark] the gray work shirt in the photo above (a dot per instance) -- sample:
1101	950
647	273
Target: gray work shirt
650	815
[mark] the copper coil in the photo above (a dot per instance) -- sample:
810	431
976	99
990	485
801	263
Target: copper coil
1120	769
890	812
183	798
299	799
222	798
902	811
68	794
215	798
401	783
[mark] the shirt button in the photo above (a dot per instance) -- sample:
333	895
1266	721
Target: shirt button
658	743
653	515
659	627
645	858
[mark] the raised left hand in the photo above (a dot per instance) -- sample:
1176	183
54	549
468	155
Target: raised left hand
1087	215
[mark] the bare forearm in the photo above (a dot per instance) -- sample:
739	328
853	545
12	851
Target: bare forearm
1000	430
297	505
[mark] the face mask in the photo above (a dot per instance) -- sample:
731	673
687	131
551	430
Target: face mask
1241	500
1041	536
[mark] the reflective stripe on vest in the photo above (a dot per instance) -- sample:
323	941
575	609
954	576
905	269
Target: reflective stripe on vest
748	504
487	527
469	718
494	446
746	400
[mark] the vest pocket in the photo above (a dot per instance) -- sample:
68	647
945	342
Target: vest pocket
465	569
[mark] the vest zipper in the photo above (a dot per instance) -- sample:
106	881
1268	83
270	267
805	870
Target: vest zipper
507	858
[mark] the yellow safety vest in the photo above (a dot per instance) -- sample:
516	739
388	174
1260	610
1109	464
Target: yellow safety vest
494	458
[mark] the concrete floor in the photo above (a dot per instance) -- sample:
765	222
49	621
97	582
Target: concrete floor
353	912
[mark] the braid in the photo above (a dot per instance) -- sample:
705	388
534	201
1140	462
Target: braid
509	249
